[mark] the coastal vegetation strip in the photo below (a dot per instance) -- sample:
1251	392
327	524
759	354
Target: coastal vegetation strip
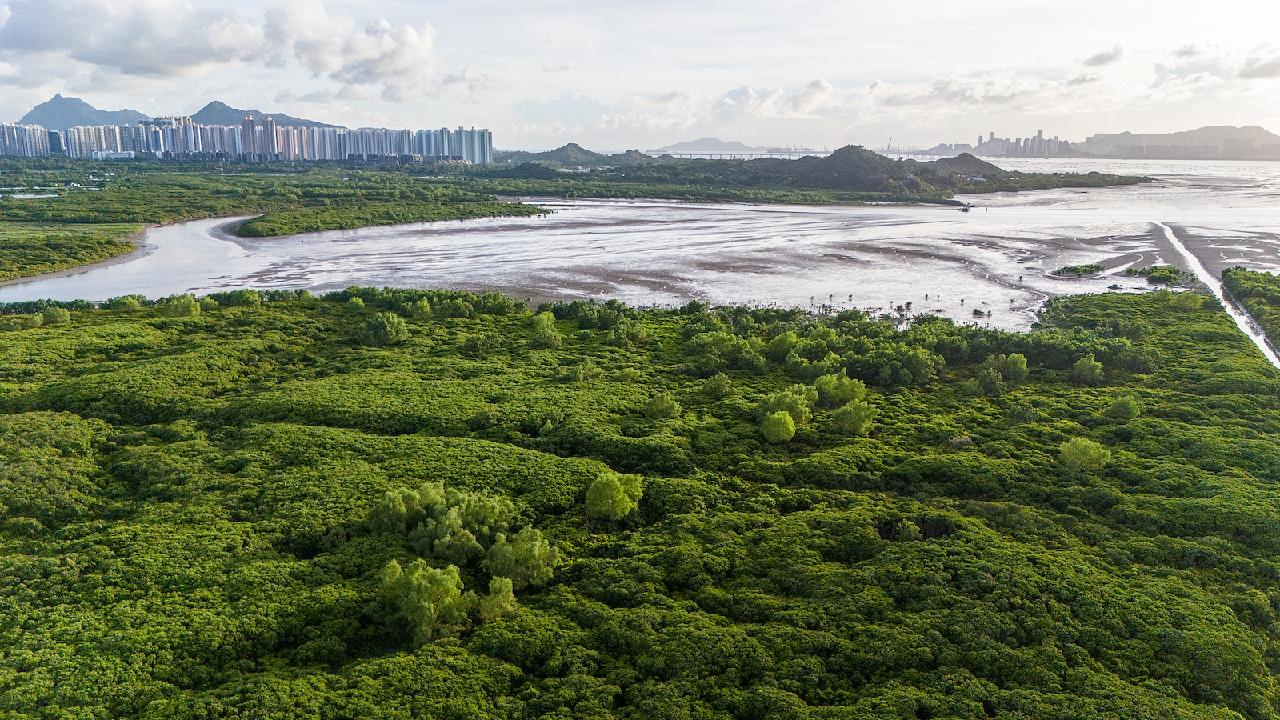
274	503
34	248
1258	293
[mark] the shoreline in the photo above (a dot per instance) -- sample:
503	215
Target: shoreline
140	249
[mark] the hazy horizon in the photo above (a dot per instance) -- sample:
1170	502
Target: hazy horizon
611	78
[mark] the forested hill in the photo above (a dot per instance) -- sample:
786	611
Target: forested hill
408	504
851	169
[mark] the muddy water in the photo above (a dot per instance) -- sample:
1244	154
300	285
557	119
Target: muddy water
996	260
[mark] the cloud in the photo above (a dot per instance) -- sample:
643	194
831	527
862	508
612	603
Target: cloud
814	99
816	95
557	68
998	89
175	38
399	59
467	83
1187	51
1083	79
1106	57
136	37
1263	64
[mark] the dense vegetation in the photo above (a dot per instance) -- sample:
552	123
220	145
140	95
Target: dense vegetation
406	504
1259	293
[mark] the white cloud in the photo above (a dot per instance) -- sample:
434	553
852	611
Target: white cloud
470	85
816	98
1264	63
164	38
953	93
1106	57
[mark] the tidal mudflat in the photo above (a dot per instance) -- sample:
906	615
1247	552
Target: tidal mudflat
993	265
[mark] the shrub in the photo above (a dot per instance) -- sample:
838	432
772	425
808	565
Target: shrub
854	418
797	401
419	309
989	381
525	558
1083	455
1124	407
542	331
613	496
778	427
1014	367
126	303
454	308
55	316
356	303
240	298
717	386
181	306
839	389
384	329
1087	371
662	405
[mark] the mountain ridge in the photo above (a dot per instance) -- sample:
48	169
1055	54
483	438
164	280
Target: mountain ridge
217	112
61	113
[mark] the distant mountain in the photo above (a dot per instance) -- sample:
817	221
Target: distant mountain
1223	142
571	155
60	113
220	113
707	145
966	164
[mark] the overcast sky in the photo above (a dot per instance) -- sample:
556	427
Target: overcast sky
616	75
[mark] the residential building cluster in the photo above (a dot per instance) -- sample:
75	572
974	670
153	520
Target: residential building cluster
1038	146
254	140
24	141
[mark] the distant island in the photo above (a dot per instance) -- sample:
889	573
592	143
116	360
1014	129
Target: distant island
1216	142
707	145
1207	143
850	174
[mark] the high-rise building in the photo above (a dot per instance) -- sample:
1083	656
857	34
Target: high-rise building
24	141
253	140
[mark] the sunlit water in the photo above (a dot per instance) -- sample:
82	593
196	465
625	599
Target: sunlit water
997	259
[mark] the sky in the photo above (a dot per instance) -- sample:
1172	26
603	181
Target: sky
622	74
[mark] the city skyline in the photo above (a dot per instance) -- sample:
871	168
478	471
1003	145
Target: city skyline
253	140
613	78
